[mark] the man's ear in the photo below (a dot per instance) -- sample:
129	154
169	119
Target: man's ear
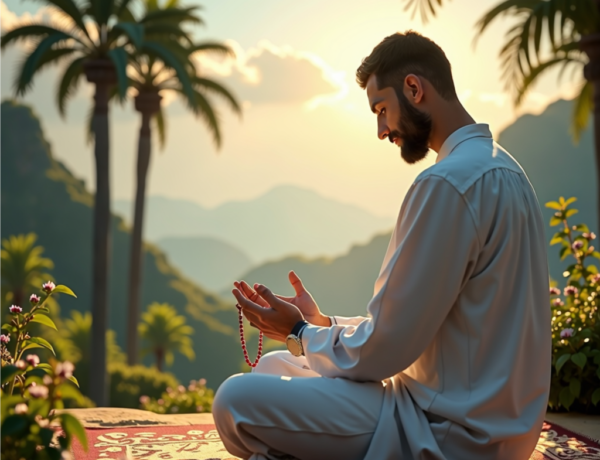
413	88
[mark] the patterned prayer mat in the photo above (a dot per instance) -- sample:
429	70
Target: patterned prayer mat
201	442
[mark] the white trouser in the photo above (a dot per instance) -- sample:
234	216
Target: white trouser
284	410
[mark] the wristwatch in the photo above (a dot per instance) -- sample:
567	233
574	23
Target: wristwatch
293	342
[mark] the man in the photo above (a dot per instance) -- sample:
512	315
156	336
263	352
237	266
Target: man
453	360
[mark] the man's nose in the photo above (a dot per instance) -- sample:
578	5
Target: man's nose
382	131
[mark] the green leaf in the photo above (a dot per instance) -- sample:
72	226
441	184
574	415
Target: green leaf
555	221
43	342
72	426
596	254
68	391
119	58
596	397
575	387
580	359
46	435
582	228
564	252
8	327
570	212
560	362
29	346
14	425
566	398
62	289
9	372
554	205
134	31
43	319
570	200
45	367
556	240
74	380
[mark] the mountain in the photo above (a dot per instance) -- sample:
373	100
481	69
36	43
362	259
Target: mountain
556	167
285	220
341	286
207	261
39	194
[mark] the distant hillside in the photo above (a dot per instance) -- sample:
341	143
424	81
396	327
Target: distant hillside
555	167
39	194
341	286
286	220
210	262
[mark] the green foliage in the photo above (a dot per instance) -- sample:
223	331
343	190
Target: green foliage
22	266
575	317
193	399
129	383
32	392
165	332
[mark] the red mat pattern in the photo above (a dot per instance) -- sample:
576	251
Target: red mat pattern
201	442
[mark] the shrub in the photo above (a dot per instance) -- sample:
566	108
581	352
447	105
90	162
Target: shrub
193	399
128	383
575	317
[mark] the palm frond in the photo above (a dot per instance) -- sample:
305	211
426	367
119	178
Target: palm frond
219	90
216	47
583	106
159	118
203	109
31	31
133	31
120	58
72	10
32	61
425	7
167	31
175	15
68	83
101	10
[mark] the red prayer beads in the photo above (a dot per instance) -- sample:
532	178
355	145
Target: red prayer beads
243	341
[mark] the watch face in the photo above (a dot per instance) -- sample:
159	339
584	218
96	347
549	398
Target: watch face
294	345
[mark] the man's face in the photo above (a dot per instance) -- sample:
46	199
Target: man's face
399	121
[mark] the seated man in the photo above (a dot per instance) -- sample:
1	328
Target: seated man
453	359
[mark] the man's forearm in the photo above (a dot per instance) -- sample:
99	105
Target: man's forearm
320	320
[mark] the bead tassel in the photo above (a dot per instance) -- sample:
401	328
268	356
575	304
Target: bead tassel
243	341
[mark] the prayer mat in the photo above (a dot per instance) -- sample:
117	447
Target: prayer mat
202	442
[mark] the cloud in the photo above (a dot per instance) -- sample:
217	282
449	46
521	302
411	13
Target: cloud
268	74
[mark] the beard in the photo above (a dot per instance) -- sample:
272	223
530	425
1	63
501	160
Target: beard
415	130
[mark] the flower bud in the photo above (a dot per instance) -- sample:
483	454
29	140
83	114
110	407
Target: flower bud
21	408
558	303
34	299
14	309
554	291
65	369
21	364
38	391
33	360
577	245
4	338
571	290
49	286
144	399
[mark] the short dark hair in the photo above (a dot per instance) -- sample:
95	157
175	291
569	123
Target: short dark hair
401	54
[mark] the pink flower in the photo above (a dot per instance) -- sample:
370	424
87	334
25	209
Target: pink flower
21	408
160	402
65	369
49	286
144	399
577	245
47	380
565	333
557	303
181	389
595	278
589	236
14	309
21	364
202	382
33	360
571	290
38	391
34	299
554	291
199	409
4	338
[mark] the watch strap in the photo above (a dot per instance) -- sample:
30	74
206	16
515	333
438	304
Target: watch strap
298	326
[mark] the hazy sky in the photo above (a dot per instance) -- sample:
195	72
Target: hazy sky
305	120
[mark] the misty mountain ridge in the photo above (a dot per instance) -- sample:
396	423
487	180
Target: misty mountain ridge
285	220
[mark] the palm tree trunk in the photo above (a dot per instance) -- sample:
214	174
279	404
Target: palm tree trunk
590	44
147	103
159	358
100	72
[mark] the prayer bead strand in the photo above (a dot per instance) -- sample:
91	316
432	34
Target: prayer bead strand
243	341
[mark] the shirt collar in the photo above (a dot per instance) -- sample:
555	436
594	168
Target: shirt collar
463	134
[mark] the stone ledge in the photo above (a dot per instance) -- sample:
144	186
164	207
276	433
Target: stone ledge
107	417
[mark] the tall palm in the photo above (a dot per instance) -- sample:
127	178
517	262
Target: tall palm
165	332
94	38
151	75
23	268
572	27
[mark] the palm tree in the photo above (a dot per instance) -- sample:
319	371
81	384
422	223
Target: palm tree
95	38
152	75
165	332
572	27
23	268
